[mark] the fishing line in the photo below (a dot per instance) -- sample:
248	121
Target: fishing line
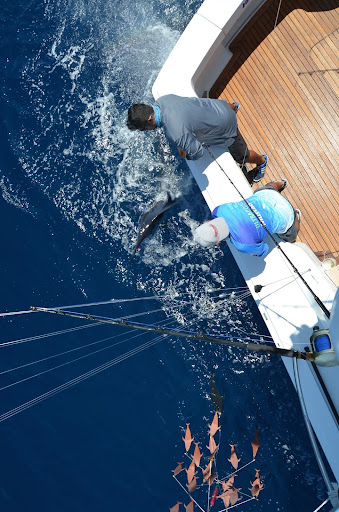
197	504
208	498
89	374
110	301
243	295
245	494
65	331
64	353
237	504
168	322
59	366
220	306
254	334
67	352
41	336
228	476
164	322
82	347
276	19
239	294
73	360
117	301
186	334
258	287
77	380
316	298
146	313
212	290
81	378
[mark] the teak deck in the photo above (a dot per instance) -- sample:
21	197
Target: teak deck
287	84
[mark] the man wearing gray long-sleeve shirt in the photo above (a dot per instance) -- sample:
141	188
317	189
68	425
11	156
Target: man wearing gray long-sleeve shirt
189	122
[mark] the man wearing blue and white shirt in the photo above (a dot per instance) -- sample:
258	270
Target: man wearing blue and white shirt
245	221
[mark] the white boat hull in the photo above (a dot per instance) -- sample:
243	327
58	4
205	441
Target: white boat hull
287	307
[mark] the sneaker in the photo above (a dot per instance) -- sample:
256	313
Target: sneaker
260	170
237	105
284	185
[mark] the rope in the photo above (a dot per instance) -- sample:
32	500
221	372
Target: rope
316	298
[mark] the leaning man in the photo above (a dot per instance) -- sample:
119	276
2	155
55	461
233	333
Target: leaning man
190	122
244	221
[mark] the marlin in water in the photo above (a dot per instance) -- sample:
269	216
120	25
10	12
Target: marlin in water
216	397
150	219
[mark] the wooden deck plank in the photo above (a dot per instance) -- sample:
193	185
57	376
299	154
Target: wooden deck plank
311	65
287	84
287	136
301	181
300	64
301	116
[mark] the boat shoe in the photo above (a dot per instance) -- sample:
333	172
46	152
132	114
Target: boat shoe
237	105
260	170
284	185
298	214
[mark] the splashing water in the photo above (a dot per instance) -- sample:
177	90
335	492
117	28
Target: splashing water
100	58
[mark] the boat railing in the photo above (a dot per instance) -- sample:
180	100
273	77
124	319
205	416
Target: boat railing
202	51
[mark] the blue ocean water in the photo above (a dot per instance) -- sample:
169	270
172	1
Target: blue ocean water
73	181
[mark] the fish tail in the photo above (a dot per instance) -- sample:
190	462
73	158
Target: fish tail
131	258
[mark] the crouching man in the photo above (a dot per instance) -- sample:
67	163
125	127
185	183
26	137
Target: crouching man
244	223
190	122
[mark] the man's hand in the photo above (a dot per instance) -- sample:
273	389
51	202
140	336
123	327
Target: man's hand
182	152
